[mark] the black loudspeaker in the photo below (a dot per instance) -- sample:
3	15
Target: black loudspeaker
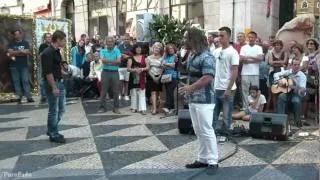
269	125
184	122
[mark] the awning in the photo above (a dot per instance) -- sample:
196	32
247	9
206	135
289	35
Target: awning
42	7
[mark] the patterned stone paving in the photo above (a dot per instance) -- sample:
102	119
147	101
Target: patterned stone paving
133	146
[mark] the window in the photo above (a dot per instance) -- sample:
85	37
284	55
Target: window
191	10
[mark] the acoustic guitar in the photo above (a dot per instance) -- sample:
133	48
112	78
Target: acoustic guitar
284	86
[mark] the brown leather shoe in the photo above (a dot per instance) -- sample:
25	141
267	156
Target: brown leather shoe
116	111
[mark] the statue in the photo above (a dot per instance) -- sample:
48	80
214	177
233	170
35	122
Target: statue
298	29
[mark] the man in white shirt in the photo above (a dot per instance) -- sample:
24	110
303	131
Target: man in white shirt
88	45
250	56
294	96
211	45
227	62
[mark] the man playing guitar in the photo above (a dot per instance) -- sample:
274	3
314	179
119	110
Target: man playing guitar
298	85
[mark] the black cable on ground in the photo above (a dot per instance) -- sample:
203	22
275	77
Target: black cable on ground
236	149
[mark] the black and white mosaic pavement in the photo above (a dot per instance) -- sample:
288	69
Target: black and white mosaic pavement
137	147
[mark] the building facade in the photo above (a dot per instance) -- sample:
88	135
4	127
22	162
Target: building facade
111	17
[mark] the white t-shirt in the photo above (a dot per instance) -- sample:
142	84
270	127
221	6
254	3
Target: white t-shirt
225	59
88	48
252	68
212	48
262	100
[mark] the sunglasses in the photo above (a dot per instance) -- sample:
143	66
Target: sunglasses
220	55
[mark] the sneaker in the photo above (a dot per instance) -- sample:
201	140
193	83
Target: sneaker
19	101
30	100
116	111
172	111
101	110
144	112
127	98
223	139
43	100
196	164
60	135
57	139
133	110
165	110
212	169
56	135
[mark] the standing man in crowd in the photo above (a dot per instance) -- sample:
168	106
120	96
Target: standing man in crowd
51	69
19	51
110	75
83	37
87	45
201	71
227	62
125	47
211	44
46	43
251	56
241	41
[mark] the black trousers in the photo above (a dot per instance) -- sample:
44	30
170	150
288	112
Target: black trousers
170	90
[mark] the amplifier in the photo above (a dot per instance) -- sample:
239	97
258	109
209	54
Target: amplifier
269	125
184	122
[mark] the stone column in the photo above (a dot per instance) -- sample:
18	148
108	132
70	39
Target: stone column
248	15
80	17
260	23
211	10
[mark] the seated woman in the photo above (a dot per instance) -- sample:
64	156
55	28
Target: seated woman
256	104
93	79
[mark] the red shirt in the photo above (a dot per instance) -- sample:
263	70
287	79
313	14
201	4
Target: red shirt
238	47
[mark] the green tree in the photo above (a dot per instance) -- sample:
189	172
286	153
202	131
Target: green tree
167	29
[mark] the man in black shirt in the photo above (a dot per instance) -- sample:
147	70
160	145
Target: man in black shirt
123	72
19	51
51	69
46	43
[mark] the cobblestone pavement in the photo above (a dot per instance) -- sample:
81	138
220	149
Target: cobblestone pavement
137	147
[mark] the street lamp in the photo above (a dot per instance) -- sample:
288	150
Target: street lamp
4	10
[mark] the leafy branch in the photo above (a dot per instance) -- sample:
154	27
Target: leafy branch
167	29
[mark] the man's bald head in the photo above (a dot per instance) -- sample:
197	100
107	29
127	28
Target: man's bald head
110	42
265	45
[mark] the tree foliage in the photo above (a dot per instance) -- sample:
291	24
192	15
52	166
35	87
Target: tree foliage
167	29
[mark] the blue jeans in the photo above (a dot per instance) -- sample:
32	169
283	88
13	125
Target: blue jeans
56	108
42	88
20	76
225	104
41	81
295	99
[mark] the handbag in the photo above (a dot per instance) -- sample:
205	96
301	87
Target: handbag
166	78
